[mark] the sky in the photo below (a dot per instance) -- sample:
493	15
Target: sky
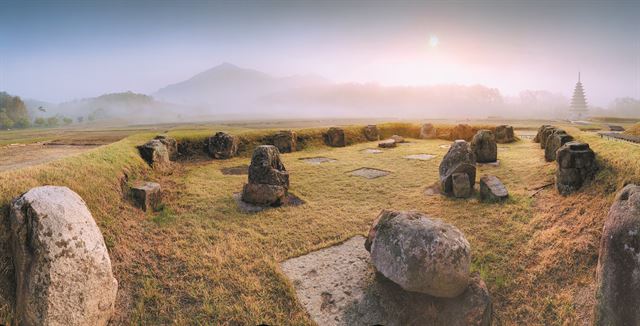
63	50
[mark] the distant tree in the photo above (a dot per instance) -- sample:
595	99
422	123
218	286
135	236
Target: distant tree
39	122
22	123
13	107
80	119
53	122
5	121
67	121
626	107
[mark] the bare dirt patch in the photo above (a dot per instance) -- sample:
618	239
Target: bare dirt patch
19	155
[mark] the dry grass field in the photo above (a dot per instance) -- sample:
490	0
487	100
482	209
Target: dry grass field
200	260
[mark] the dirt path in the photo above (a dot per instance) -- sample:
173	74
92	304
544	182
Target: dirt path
19	156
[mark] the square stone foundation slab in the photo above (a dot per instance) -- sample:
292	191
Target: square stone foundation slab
369	173
248	208
317	160
420	157
339	286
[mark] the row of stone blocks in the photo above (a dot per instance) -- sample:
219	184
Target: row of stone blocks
576	162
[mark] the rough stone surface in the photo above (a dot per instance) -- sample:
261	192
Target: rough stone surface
492	189
369	173
155	153
459	159
339	286
618	271
371	132
504	134
62	266
462	131
335	137
268	178
285	141
576	165
544	135
223	146
419	253
172	145
398	139
538	136
555	140
147	195
428	131
387	143
461	185
484	146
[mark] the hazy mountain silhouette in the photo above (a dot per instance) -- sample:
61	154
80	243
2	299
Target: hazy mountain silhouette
228	87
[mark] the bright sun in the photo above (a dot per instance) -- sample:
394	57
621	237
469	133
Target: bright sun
433	41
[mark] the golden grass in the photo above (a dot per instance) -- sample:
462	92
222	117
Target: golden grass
633	130
201	261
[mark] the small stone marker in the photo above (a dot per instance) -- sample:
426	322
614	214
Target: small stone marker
387	143
618	271
576	164
557	138
147	195
459	159
172	145
268	179
235	170
371	132
428	131
335	137
285	141
223	146
317	160
505	134
155	153
544	135
62	266
492	189
538	136
338	286
484	146
369	173
420	157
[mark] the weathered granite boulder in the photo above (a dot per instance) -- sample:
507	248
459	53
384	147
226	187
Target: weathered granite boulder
484	147
557	138
546	132
62	267
171	144
536	139
505	134
268	179
147	195
428	131
398	139
462	131
155	153
461	185
371	132
492	189
618	271
459	159
387	143
223	145
576	165
285	141
335	137
419	253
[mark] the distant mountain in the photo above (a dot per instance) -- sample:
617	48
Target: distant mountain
227	87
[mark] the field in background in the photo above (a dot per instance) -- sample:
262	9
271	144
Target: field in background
200	259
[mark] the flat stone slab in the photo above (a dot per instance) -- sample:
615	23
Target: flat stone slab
492	164
369	173
420	157
339	286
236	170
247	208
372	151
317	160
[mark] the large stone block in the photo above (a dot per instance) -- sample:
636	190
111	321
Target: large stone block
155	153
223	145
335	137
428	131
268	179
285	141
484	147
459	159
371	132
63	270
576	164
147	195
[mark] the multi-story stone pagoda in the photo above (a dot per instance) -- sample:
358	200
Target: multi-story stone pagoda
578	102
